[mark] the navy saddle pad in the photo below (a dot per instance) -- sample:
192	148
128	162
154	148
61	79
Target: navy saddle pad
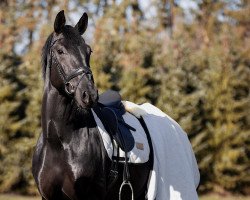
110	110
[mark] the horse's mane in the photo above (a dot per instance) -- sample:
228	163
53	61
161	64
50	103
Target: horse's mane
45	54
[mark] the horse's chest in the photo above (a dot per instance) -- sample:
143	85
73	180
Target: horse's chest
80	151
69	163
81	159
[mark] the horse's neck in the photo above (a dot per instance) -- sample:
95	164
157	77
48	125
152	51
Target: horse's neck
72	137
53	103
59	110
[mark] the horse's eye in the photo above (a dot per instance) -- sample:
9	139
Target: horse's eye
60	51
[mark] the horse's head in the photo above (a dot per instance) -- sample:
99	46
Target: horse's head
70	71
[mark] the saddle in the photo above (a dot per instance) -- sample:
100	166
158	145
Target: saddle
110	111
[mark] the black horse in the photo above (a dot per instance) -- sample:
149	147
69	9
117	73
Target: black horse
70	161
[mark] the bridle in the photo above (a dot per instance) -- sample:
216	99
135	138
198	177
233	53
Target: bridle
68	87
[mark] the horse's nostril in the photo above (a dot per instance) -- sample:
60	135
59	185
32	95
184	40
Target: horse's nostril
85	96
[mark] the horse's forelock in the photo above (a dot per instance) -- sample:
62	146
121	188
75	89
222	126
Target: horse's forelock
71	34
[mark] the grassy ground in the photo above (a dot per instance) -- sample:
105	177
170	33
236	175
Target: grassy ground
15	197
207	197
217	197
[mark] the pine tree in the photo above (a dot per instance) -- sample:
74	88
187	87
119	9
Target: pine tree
227	164
9	61
204	87
127	57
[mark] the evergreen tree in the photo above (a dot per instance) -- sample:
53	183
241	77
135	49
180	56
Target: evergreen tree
204	89
127	57
9	61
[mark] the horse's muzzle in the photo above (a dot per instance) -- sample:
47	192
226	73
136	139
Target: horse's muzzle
90	98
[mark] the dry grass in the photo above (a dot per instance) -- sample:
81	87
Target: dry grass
17	197
217	197
206	197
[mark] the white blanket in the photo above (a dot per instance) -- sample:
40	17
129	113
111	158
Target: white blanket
175	174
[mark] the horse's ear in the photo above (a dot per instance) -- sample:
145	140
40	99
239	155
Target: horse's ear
59	22
82	24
